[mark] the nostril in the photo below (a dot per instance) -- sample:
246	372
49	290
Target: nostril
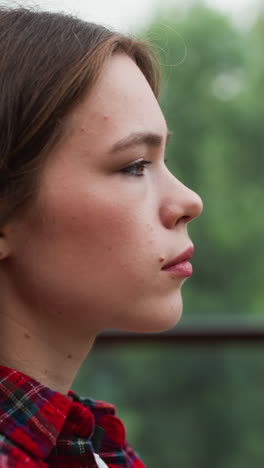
183	219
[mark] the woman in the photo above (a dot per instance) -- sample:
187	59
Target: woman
93	231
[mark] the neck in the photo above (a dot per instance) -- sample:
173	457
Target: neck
46	353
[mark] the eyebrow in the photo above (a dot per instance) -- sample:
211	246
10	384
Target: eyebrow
139	138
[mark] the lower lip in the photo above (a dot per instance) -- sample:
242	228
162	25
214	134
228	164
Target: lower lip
183	269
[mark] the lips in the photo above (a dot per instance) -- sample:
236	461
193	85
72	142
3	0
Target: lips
180	265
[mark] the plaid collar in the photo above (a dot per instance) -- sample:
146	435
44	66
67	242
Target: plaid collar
54	427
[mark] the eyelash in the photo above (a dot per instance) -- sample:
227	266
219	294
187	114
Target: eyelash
137	168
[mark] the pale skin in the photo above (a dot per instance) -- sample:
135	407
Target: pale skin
88	253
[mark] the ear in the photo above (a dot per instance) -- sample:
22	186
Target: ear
4	243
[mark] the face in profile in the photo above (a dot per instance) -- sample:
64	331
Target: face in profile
108	217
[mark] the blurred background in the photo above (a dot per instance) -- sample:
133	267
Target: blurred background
198	404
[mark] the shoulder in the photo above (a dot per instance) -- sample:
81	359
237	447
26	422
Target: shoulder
13	457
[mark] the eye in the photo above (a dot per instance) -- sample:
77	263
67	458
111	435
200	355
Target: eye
137	168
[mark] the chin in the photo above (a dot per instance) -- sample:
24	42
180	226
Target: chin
161	319
163	325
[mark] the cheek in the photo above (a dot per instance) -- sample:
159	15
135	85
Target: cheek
97	258
88	232
97	225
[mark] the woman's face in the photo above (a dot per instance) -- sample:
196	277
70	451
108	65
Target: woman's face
92	248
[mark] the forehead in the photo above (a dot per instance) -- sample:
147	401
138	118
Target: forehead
121	98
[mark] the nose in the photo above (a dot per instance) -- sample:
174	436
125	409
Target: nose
179	203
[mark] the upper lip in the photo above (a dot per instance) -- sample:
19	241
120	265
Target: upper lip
186	255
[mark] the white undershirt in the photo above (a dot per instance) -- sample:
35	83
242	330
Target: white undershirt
99	461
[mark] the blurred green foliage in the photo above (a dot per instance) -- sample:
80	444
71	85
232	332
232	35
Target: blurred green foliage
203	407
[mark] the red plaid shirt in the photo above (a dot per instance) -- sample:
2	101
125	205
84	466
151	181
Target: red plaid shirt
42	428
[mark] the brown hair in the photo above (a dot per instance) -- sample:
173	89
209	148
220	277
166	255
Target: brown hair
47	62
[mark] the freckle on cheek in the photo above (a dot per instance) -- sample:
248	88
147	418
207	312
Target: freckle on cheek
106	117
27	336
69	356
